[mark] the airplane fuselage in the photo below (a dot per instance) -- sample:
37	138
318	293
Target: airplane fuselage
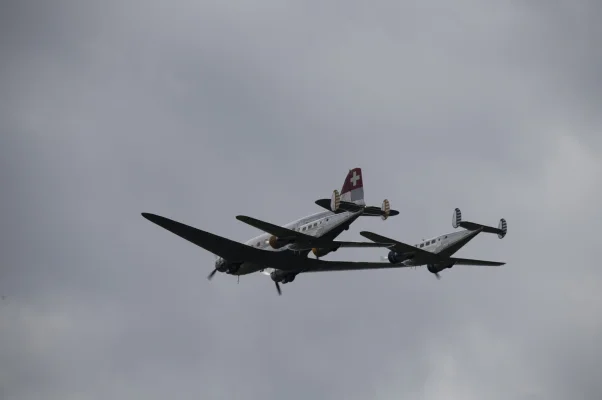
446	244
324	224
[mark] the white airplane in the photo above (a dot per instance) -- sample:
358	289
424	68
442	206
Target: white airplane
436	252
316	232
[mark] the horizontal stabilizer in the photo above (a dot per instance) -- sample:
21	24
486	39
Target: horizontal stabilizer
344	206
501	230
468	261
473	226
373	211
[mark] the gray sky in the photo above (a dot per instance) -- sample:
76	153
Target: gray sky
200	111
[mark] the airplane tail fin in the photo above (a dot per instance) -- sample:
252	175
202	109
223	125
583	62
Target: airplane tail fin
501	229
353	187
351	198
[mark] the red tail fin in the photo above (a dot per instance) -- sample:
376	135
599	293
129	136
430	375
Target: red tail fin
353	187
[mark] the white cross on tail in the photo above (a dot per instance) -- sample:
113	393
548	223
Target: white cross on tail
354	178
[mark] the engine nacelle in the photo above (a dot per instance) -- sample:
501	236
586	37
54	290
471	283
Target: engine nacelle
396	258
280	276
436	268
277	243
228	267
321	252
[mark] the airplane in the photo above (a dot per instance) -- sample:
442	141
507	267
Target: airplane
316	233
245	259
436	253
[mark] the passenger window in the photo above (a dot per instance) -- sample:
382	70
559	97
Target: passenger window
421	245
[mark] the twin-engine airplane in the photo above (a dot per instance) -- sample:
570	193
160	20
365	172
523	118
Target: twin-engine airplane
436	253
285	265
314	233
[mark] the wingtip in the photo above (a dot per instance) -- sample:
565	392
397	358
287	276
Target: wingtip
156	219
151	217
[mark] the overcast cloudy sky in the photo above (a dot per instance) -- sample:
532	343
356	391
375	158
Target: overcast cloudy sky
203	110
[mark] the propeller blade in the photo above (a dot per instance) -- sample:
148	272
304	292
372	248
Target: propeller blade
278	289
437	275
211	274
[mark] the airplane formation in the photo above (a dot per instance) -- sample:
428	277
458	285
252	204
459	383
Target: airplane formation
281	252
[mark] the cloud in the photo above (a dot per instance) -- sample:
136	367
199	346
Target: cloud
201	111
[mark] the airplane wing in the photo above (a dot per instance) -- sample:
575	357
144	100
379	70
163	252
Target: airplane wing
326	266
313	265
226	248
468	261
236	251
302	237
275	229
361	244
401	247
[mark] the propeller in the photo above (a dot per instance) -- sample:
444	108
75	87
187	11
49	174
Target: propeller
437	275
278	289
211	274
